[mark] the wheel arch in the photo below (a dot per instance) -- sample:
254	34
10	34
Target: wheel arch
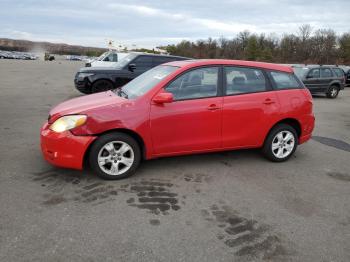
104	78
289	121
133	134
334	83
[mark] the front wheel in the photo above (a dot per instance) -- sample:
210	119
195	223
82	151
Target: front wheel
115	156
333	92
281	143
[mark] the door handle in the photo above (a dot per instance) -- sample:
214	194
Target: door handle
213	107
268	101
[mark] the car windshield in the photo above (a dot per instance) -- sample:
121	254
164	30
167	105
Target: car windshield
145	82
101	57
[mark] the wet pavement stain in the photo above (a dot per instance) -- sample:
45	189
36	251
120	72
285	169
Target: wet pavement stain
247	237
336	143
74	187
154	222
154	196
54	200
226	163
196	178
339	176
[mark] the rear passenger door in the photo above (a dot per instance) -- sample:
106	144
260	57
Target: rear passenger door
250	106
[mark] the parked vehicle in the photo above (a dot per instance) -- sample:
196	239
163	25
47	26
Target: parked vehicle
49	57
178	108
322	79
107	59
346	70
3	55
97	79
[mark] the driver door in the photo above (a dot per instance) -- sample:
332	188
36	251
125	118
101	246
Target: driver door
192	122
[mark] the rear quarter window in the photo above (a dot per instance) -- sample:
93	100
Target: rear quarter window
338	72
284	80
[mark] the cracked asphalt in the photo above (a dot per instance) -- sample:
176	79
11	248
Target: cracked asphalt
231	206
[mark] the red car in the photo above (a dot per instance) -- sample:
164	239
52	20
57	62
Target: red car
178	108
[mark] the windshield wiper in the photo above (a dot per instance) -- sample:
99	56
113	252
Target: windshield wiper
122	93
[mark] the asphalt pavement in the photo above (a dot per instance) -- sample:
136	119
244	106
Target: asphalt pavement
230	206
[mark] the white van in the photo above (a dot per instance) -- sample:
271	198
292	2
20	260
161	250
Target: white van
107	59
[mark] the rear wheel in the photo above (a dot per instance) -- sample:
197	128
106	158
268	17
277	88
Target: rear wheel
281	143
333	91
101	86
115	156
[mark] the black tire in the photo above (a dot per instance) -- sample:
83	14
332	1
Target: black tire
267	147
101	86
333	91
104	140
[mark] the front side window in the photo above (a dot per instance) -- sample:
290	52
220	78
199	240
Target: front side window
125	60
114	58
143	62
314	73
197	83
160	60
326	72
285	80
242	80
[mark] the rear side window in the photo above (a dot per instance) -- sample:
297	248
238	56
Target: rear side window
338	72
326	72
242	80
285	80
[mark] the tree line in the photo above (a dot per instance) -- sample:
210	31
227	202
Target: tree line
307	46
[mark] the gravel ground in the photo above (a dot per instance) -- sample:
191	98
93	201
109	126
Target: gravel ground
231	206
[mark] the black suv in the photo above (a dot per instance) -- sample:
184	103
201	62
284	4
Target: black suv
97	79
322	79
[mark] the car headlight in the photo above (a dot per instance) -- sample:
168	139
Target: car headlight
65	123
83	75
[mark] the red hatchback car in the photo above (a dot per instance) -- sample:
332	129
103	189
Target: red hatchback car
178	108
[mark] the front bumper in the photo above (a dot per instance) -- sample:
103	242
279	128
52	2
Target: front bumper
64	149
82	85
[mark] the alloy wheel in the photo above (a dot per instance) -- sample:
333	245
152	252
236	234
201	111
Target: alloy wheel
115	158
283	144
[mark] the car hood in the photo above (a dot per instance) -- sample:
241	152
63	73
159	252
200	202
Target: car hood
84	103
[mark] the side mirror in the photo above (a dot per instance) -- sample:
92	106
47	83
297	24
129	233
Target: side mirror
309	76
132	67
162	98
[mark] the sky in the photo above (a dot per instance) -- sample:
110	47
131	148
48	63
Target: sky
151	23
